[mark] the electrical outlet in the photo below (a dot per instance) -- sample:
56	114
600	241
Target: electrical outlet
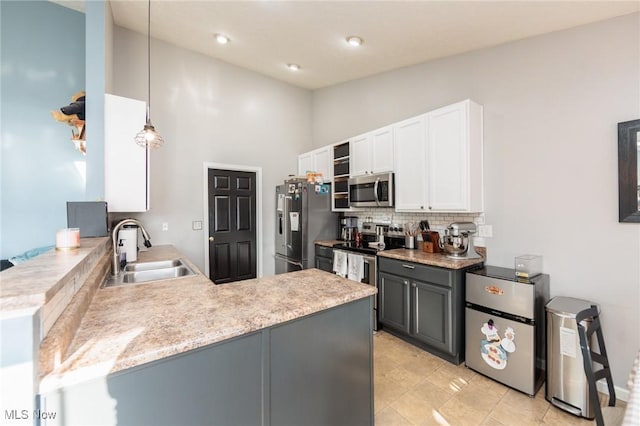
479	242
485	231
196	225
479	220
165	226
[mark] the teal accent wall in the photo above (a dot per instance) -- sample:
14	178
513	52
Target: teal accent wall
42	57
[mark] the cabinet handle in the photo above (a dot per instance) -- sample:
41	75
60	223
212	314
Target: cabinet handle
211	239
429	207
406	282
408	266
421	207
414	285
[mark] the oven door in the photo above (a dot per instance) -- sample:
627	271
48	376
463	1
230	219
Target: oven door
371	191
371	278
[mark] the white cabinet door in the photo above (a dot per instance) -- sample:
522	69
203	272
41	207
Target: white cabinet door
410	164
455	157
359	159
381	150
323	162
126	164
372	152
305	163
319	160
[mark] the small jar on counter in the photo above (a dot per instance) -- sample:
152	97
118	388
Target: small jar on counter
68	238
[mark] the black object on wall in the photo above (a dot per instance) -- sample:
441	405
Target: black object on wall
89	216
628	189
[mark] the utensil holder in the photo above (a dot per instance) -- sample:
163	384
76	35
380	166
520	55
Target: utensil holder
409	242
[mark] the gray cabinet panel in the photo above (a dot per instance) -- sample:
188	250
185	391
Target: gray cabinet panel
221	384
324	258
394	301
321	368
432	315
324	251
417	271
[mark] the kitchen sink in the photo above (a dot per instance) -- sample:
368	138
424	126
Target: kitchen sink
156	274
150	271
146	266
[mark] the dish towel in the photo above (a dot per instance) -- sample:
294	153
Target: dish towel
632	412
356	267
340	263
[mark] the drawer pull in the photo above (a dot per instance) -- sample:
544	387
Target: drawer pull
494	290
408	266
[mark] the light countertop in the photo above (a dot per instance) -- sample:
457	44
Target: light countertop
432	259
30	285
419	256
129	325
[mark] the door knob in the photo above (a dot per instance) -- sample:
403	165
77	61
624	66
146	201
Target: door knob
211	239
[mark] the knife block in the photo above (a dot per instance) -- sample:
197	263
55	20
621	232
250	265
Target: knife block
431	242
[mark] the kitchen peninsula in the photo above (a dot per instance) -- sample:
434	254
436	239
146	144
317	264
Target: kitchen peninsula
277	350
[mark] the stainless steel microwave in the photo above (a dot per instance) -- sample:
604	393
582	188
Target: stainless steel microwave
371	190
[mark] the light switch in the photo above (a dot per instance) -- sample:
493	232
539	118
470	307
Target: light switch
165	226
196	225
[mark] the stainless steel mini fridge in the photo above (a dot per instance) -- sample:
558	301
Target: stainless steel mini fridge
504	320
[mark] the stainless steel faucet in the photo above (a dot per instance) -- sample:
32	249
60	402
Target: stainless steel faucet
115	265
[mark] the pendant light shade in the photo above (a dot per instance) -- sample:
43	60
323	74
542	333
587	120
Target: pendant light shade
148	137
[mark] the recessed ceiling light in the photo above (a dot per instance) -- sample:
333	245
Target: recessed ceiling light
222	39
354	41
293	67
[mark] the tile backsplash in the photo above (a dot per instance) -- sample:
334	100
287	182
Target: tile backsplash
437	221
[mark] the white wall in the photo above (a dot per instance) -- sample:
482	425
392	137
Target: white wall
209	111
551	105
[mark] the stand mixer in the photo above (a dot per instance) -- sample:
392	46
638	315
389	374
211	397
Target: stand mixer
457	241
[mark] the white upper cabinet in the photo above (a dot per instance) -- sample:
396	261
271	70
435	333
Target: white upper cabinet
126	164
454	138
381	148
449	164
305	163
410	164
372	152
359	159
319	160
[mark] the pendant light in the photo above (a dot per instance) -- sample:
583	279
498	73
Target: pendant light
148	137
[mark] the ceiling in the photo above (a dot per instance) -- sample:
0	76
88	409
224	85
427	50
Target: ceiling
267	35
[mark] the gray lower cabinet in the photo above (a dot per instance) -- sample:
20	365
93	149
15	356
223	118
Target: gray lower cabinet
394	296
431	315
324	258
317	370
424	305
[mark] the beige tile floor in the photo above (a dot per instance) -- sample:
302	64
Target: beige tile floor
413	387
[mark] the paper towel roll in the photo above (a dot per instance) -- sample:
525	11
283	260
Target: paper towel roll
129	237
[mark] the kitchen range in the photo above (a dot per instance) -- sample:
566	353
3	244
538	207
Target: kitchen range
357	259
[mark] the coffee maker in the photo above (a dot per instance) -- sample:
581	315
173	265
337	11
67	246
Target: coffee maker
348	228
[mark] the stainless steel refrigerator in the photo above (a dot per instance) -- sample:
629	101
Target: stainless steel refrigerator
303	215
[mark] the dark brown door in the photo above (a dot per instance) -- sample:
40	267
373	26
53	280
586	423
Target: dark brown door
232	225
